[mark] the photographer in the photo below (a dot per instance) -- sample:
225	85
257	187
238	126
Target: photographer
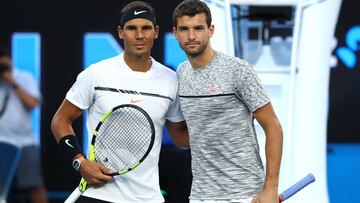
19	94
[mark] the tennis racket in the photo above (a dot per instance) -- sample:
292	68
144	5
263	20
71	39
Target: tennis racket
121	141
296	187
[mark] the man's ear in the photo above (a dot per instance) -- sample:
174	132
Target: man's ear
157	28
174	31
212	30
120	32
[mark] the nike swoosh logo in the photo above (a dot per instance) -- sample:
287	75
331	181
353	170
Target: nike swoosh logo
67	142
138	12
135	100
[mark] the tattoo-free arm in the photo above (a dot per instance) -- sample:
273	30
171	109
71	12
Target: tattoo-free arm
178	132
94	173
273	150
61	124
28	100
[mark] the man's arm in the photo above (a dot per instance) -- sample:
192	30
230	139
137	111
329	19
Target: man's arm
273	150
61	126
28	100
179	133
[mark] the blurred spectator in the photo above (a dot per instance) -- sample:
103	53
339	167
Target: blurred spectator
19	95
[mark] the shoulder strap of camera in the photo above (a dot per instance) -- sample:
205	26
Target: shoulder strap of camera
5	102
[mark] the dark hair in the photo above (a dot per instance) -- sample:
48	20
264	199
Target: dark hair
191	8
139	5
5	52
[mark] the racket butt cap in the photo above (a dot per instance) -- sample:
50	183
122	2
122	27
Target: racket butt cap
281	198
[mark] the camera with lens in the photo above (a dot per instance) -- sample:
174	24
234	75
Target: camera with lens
3	68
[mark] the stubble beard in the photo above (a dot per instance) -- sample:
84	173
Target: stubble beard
196	52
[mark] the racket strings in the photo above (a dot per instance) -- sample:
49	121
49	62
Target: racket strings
123	139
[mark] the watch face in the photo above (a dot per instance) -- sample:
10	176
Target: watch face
76	164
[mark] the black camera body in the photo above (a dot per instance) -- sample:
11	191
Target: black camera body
3	68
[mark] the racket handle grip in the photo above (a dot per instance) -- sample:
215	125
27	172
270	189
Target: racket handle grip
73	196
296	187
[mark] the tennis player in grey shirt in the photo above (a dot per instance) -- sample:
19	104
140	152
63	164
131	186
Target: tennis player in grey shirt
220	97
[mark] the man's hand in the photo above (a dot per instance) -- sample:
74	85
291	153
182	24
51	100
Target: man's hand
7	77
266	196
94	173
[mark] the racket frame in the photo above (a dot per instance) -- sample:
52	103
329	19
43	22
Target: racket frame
83	184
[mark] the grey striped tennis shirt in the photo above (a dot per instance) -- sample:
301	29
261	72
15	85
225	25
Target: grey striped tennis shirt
217	102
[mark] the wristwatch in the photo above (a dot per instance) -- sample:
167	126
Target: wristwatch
76	164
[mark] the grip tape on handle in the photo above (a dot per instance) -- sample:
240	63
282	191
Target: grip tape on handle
296	187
